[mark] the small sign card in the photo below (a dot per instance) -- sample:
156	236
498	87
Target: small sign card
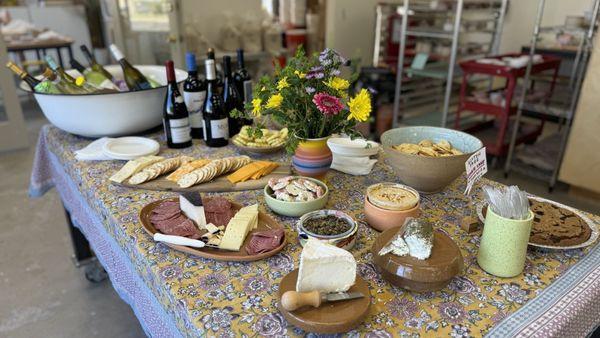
476	167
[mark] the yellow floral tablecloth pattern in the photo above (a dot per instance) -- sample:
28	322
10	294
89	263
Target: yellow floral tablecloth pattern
228	299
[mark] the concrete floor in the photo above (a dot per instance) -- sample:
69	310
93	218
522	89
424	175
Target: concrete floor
45	295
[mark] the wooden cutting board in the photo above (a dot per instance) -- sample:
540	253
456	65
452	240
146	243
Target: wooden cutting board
219	184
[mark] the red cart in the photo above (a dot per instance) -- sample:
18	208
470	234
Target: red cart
502	112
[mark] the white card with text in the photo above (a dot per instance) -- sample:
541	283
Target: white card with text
476	167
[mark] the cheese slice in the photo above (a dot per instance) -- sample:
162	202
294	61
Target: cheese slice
191	206
238	228
325	268
133	167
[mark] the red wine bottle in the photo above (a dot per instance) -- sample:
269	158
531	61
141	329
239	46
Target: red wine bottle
243	83
216	124
175	115
231	98
194	93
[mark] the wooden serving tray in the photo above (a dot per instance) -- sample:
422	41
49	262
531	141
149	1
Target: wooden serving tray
333	317
265	222
219	184
413	274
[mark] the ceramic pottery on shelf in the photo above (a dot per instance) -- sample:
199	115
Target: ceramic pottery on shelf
312	157
504	244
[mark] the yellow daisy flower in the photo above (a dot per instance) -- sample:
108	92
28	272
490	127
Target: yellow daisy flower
282	83
337	83
256	107
300	74
360	106
274	101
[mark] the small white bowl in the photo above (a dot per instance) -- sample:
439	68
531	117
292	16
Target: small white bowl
344	240
355	148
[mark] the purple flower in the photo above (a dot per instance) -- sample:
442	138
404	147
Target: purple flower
327	104
378	334
315	73
256	285
271	325
310	90
212	282
335	72
402	308
452	312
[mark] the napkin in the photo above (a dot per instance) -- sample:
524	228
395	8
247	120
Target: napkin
93	151
353	165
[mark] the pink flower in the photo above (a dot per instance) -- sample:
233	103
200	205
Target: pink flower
327	104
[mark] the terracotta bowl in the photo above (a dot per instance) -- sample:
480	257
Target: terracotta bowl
383	219
428	174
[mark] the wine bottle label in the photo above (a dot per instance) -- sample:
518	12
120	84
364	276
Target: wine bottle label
180	130
194	102
219	128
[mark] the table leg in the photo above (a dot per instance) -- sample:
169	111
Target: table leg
60	59
81	247
70	52
38	54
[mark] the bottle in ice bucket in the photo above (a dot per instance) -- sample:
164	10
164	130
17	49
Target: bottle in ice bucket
175	115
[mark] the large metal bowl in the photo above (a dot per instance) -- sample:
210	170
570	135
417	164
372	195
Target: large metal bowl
428	174
112	114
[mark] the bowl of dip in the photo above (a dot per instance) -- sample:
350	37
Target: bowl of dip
330	226
387	205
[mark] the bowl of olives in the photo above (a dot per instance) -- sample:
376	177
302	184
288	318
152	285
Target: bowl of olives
331	226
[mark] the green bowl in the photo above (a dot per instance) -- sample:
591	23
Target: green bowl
296	209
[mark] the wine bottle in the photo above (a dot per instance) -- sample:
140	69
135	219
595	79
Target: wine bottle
211	56
134	78
49	84
60	72
243	83
216	128
176	119
30	80
94	64
194	93
93	77
231	97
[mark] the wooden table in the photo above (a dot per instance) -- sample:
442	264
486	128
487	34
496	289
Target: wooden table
40	47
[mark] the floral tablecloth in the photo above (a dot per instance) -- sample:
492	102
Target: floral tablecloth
175	294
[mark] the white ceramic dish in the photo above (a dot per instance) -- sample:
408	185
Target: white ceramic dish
344	240
109	114
593	237
357	147
129	148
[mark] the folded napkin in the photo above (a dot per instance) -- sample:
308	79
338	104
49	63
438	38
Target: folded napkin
353	165
93	151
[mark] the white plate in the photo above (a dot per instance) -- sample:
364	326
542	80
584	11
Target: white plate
129	148
357	147
593	236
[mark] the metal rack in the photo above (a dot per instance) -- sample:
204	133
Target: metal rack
421	8
565	112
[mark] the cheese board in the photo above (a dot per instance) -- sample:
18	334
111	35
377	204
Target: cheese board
420	275
265	222
331	317
219	184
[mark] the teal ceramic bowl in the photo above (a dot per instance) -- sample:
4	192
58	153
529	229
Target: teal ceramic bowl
296	209
428	174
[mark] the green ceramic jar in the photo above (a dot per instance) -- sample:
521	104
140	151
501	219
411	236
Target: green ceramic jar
504	244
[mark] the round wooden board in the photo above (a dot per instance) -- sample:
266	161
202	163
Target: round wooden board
413	274
331	317
265	222
257	150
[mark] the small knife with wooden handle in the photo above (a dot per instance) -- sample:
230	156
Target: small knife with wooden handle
292	300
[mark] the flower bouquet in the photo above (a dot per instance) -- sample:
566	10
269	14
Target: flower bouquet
310	98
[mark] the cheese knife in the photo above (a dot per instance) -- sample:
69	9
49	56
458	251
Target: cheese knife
178	240
292	300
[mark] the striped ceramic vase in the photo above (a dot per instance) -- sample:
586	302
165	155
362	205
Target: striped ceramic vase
312	157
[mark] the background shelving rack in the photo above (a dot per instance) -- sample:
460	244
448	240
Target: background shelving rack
438	77
563	111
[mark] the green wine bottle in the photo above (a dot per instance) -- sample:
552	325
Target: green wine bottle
134	78
94	64
49	83
93	77
60	72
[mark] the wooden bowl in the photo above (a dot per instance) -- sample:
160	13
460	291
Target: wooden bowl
413	274
265	222
329	318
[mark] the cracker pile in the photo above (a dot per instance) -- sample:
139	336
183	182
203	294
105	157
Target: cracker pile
428	148
213	169
269	138
160	168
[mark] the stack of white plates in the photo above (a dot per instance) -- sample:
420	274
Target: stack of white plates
129	148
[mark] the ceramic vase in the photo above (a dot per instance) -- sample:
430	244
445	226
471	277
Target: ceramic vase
312	157
504	244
